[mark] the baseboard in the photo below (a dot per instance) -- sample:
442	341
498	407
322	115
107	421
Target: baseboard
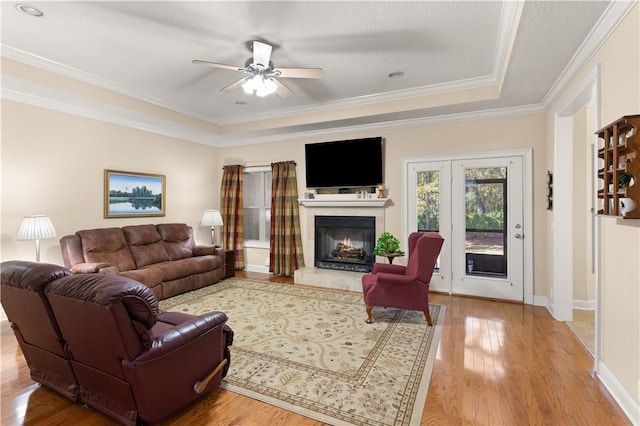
584	305
543	301
257	268
630	406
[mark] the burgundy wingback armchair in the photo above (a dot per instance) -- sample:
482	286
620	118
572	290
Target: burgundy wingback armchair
404	287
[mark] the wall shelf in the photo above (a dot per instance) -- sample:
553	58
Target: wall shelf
618	153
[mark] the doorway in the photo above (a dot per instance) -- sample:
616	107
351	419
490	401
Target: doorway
566	249
479	205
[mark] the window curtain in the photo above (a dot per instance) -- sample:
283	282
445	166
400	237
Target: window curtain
285	240
231	211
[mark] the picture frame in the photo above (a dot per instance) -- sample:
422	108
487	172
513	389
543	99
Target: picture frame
133	194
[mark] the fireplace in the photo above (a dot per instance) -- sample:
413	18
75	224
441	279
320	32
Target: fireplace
345	242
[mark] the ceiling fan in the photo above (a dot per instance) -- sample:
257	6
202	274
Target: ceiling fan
262	75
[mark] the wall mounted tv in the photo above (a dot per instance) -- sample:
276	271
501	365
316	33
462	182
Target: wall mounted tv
343	164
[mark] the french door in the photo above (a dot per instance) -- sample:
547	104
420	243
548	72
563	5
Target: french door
476	204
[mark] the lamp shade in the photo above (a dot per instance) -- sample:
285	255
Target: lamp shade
211	218
37	227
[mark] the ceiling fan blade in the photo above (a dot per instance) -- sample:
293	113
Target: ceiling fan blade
261	54
300	72
282	90
234	86
213	64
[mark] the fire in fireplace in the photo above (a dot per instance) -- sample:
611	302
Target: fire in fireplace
345	242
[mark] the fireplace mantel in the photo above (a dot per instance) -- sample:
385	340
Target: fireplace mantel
343	202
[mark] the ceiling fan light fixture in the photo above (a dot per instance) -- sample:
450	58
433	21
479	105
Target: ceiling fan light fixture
270	86
259	85
248	86
261	77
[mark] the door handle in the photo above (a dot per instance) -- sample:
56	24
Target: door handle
520	236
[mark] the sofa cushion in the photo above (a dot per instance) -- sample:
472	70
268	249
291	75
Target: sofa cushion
176	269
145	244
148	276
178	240
107	245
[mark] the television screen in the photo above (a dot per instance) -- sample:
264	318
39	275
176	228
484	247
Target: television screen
348	163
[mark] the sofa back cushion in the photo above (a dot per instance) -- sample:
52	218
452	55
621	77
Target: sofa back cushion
106	245
145	244
178	239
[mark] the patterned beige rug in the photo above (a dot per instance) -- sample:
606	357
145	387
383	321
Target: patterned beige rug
309	351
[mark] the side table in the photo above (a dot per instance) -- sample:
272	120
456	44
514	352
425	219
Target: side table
391	256
229	263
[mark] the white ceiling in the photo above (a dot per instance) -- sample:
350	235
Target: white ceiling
458	58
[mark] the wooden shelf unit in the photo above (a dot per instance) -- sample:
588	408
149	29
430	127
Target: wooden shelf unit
618	154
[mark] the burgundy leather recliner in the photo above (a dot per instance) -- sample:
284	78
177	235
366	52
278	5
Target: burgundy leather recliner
27	308
130	360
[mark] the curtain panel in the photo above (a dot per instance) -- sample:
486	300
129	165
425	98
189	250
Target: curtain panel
231	211
285	240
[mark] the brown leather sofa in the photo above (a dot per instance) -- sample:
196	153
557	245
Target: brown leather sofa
102	340
163	257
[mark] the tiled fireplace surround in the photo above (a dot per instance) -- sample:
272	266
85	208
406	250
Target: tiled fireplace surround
347	205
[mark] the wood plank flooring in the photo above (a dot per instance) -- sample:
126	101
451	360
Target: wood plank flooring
497	364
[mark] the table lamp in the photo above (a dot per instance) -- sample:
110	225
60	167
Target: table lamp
36	227
211	218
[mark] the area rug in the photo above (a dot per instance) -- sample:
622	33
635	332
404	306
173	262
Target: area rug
309	350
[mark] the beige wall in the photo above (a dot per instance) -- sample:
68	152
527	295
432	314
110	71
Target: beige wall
53	164
619	63
525	131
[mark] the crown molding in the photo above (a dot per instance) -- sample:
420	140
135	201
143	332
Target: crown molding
19	90
609	21
239	139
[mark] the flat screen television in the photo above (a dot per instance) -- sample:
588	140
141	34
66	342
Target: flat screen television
343	164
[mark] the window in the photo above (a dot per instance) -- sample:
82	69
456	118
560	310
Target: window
256	193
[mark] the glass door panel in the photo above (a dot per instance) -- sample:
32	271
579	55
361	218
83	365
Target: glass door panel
486	211
429	186
428	200
487	238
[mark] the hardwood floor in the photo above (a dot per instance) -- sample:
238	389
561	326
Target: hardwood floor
497	364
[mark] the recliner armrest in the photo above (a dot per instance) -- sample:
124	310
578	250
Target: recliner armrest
91	268
203	250
183	333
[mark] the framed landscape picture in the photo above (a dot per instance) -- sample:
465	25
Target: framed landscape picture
129	194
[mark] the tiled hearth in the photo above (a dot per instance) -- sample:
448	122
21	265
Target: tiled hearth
334	205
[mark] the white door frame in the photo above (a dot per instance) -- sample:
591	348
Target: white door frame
586	94
527	183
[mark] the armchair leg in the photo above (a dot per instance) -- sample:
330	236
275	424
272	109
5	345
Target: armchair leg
369	320
427	316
